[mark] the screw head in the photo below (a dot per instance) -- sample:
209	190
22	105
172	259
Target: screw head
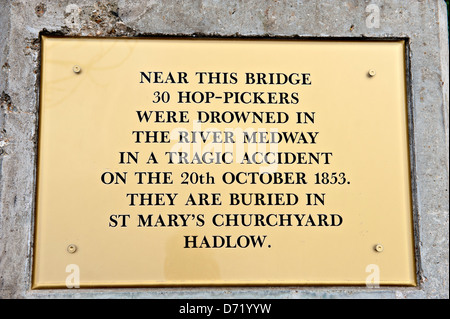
76	69
372	73
379	248
71	248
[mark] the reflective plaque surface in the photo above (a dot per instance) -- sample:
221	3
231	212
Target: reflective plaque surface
184	162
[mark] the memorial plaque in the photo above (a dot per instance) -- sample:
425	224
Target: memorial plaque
200	162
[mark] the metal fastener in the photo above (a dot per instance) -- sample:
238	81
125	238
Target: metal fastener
372	73
76	69
379	248
72	248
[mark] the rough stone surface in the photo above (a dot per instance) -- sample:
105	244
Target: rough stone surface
423	23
